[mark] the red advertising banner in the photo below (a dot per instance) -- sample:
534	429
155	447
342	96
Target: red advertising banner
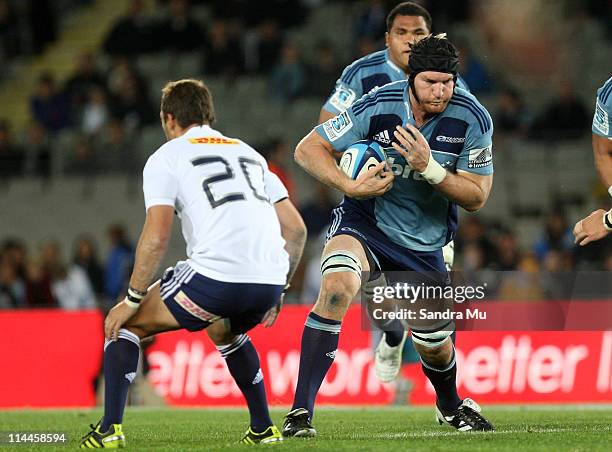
49	359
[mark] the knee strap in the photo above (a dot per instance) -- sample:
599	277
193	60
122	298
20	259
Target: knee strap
340	261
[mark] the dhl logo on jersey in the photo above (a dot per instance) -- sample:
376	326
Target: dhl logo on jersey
212	140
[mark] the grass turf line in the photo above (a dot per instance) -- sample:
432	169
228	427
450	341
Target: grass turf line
375	428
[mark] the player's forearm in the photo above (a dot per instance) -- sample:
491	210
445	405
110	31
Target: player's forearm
461	190
319	163
295	241
149	254
602	151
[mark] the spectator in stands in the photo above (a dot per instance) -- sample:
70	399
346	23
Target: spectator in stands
523	284
371	23
222	51
38	287
132	34
276	152
512	114
83	160
472	232
84	78
557	235
15	250
118	264
507	256
38	151
69	285
49	106
288	77
566	117
324	72
131	103
95	113
117	150
180	32
12	287
86	257
11	155
123	71
264	49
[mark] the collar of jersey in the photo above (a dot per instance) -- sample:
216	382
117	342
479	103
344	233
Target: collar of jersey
201	130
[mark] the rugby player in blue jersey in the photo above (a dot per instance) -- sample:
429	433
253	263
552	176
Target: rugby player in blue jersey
397	219
407	23
599	223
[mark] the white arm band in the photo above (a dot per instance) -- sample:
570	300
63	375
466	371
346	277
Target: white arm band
607	220
610	190
434	173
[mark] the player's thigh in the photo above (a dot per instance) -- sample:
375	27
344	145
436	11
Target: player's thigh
342	262
153	316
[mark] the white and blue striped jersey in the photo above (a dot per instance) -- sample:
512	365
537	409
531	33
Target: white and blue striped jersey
602	120
362	76
413	214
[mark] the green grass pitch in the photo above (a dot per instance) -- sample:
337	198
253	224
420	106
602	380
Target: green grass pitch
547	428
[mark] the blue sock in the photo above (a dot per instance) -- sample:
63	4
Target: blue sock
319	344
444	381
394	333
243	363
120	365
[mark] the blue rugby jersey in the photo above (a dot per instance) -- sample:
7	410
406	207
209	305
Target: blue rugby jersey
413	214
362	76
602	120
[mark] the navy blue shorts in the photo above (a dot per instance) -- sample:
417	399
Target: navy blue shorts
196	301
386	255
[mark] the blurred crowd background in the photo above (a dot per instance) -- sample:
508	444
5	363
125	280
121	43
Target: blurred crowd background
80	85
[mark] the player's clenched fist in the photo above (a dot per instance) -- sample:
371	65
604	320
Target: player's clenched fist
375	182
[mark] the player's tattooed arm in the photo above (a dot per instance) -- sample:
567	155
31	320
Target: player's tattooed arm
314	154
293	231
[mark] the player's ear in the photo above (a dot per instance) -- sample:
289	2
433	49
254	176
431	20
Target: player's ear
386	39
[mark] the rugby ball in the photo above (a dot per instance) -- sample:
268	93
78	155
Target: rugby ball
359	157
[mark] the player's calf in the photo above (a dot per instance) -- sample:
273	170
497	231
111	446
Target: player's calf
341	270
438	363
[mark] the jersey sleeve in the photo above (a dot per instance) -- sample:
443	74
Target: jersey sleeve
477	154
602	119
275	189
343	130
159	183
343	96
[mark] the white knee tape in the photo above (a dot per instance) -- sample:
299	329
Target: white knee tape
340	261
433	338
